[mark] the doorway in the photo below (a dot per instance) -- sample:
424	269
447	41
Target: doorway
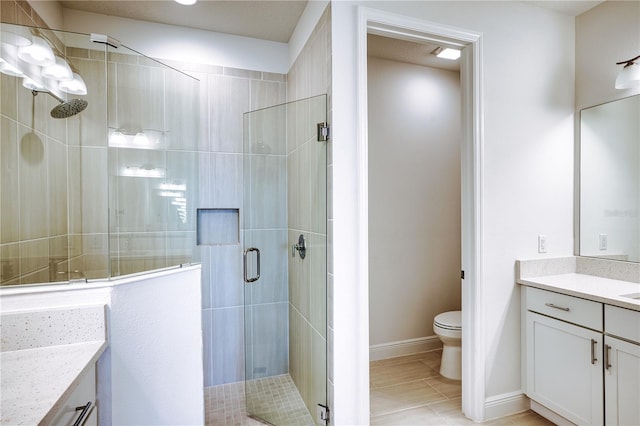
470	43
414	104
284	236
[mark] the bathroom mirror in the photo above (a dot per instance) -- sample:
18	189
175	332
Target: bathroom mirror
609	190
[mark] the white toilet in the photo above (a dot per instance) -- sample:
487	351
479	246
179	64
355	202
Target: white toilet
448	327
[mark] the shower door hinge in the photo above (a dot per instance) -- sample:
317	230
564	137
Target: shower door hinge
323	132
323	414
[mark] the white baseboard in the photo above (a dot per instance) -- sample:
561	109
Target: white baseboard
403	347
505	404
550	415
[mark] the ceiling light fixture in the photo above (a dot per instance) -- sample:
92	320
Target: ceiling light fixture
186	2
446	53
629	76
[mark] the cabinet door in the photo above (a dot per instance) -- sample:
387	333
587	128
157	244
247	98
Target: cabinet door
84	393
564	369
622	382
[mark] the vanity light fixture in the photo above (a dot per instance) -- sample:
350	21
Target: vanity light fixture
37	53
60	70
33	85
629	76
75	86
13	39
141	139
186	2
446	53
8	69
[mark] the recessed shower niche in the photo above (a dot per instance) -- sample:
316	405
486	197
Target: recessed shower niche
218	226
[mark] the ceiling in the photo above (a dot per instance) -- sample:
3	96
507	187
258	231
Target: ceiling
272	20
408	51
264	19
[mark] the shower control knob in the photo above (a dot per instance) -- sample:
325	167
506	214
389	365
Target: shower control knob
301	248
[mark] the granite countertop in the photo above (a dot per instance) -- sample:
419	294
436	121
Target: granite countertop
598	289
36	381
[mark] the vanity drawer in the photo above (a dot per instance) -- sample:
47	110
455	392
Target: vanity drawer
585	313
621	322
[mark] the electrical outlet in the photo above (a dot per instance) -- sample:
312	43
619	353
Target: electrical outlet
542	243
603	241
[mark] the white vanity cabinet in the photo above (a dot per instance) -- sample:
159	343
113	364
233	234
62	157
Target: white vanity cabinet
563	347
80	408
622	366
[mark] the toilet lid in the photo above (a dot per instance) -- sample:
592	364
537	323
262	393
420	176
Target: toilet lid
450	320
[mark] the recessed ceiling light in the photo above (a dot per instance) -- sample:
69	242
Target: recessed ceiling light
186	2
446	53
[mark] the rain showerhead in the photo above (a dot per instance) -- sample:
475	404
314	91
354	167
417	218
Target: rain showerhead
65	109
69	108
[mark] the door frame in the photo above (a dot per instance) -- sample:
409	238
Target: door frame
406	28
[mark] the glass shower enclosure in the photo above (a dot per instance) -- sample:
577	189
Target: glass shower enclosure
285	262
107	189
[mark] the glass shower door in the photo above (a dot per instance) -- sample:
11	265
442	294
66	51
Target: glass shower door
284	239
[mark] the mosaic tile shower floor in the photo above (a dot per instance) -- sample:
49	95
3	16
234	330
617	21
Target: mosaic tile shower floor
275	397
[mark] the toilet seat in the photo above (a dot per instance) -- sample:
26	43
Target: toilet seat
449	320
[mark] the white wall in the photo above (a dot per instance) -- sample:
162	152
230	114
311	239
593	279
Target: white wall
151	372
50	12
528	103
414	199
606	34
155	349
171	42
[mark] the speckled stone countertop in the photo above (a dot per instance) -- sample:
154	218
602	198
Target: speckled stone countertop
567	276
35	382
44	355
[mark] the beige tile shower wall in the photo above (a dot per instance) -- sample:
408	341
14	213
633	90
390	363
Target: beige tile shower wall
33	176
225	95
309	280
21	13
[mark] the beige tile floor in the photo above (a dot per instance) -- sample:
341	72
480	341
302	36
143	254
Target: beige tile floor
404	391
409	391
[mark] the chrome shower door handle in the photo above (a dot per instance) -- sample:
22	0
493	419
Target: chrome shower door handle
244	256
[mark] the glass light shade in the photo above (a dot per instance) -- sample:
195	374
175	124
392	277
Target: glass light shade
8	69
14	39
30	84
37	53
628	77
60	70
186	2
117	138
141	139
75	86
